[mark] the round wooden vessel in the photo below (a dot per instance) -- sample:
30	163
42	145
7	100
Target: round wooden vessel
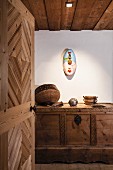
47	94
90	99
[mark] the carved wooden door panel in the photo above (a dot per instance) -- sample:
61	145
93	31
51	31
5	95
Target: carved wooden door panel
16	86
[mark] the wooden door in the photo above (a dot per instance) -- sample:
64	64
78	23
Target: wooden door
16	86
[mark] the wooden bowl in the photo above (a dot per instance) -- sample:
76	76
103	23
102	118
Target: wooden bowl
90	97
89	100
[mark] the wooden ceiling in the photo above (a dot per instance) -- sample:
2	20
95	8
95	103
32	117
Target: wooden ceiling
84	15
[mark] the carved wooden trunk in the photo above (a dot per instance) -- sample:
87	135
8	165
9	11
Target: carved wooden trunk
74	134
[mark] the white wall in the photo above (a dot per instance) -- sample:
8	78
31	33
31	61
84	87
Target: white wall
94	55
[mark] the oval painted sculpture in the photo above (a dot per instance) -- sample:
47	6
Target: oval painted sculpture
69	62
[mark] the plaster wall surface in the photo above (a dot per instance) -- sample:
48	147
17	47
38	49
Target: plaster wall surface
94	56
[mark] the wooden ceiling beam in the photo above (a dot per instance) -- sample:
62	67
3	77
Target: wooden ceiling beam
39	7
84	15
67	15
39	11
110	25
97	11
106	19
53	8
83	10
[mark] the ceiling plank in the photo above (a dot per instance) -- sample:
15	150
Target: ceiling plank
84	15
53	8
83	10
105	19
28	6
110	25
67	15
97	11
39	11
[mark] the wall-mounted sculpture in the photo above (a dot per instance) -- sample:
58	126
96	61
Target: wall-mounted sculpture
69	62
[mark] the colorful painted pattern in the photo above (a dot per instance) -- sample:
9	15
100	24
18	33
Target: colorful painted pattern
69	62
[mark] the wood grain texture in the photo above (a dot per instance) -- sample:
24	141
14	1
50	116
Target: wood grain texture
14	147
62	129
32	65
93	130
16	60
3	56
47	130
89	141
20	146
0	61
67	15
27	164
3	80
23	10
53	9
78	134
48	122
81	14
73	154
14	116
48	138
4	151
26	142
19	68
96	13
104	130
29	7
84	15
76	166
33	142
39	11
106	19
85	109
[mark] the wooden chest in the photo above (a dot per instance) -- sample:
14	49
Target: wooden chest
74	134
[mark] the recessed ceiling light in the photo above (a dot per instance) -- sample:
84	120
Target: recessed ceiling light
69	4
